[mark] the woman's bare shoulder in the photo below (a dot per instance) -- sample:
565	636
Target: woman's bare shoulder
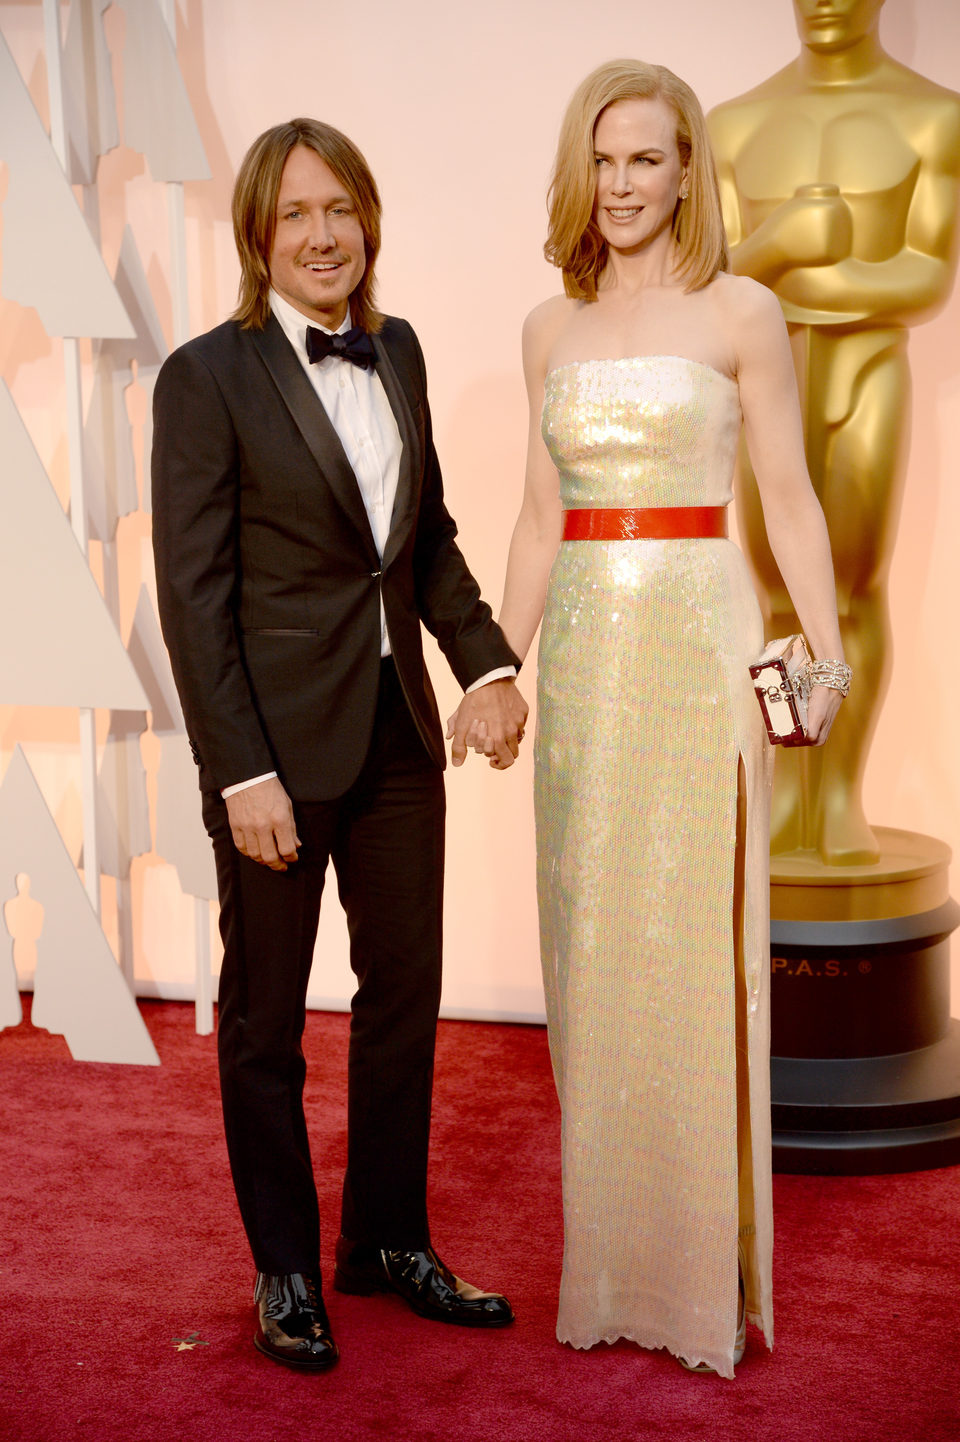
749	317
550	316
742	299
544	324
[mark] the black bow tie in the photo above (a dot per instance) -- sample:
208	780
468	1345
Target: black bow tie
354	345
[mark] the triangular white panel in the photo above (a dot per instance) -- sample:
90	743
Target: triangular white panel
78	989
59	644
149	345
123	811
157	118
181	837
49	258
149	656
89	102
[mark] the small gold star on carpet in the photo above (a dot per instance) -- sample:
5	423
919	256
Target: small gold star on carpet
187	1344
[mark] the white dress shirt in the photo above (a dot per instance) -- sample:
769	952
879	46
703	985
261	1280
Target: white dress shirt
360	413
357	406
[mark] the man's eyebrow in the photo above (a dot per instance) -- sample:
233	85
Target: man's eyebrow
283	201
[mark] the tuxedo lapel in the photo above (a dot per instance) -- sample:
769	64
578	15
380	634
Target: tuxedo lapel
313	423
404	506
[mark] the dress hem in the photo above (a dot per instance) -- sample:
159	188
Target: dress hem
694	1359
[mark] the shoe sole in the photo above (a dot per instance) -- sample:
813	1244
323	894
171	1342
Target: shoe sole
354	1286
293	1361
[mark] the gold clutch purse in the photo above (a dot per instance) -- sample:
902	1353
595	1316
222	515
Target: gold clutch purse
781	678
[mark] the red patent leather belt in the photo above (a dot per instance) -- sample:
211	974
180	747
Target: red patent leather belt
659	523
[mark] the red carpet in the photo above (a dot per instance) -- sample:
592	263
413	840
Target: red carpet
126	1283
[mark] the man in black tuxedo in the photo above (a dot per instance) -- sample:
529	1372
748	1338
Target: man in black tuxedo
301	538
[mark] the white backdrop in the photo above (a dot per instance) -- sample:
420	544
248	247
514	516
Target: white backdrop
456	108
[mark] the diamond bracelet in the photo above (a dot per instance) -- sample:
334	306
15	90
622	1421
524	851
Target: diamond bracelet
835	674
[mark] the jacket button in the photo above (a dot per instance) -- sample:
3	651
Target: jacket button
375	574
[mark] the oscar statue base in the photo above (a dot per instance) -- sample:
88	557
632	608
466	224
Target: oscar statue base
865	1065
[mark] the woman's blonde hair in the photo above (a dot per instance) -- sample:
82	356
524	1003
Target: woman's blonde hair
255	214
574	242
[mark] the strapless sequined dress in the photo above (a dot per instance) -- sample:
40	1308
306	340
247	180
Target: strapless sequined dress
647	733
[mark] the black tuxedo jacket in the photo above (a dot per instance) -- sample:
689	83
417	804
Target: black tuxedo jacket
268	578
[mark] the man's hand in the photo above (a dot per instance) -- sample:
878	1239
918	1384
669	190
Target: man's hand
489	720
261	820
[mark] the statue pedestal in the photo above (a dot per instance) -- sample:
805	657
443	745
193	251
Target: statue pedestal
865	1065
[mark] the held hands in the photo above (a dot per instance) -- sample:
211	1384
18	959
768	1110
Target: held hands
261	820
489	721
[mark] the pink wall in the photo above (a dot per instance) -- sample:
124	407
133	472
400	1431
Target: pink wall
457	108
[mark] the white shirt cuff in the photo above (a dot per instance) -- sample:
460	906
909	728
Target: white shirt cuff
242	785
500	674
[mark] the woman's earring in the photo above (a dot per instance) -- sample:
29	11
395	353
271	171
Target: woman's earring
684	190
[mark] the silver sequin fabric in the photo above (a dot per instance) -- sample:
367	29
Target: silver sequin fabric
645	713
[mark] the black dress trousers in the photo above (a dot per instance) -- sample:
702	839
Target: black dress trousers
385	838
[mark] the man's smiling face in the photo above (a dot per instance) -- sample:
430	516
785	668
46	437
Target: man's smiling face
318	255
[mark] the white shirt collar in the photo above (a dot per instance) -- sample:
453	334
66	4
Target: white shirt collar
294	323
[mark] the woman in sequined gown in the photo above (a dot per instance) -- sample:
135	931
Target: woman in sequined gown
652	770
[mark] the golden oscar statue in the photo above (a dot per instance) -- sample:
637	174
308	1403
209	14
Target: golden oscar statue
839	177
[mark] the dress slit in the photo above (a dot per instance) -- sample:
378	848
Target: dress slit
746	1225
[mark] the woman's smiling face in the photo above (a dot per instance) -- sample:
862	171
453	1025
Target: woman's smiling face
639	172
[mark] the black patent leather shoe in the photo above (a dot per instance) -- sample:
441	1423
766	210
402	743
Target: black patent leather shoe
294	1327
427	1286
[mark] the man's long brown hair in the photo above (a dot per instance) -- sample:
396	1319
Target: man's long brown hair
255	214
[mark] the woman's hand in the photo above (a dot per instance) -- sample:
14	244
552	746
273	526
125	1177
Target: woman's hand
822	708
